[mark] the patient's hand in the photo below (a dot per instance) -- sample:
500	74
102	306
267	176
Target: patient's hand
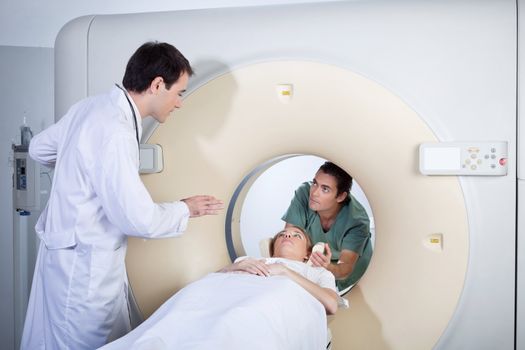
277	269
249	265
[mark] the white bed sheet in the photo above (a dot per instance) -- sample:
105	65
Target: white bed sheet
233	311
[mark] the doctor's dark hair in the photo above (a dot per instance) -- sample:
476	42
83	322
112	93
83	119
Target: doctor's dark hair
151	60
343	179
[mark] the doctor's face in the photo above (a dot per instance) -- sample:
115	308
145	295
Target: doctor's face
167	100
323	193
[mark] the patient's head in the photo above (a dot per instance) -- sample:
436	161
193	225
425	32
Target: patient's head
291	243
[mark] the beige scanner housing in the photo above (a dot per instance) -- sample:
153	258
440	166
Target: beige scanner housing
237	121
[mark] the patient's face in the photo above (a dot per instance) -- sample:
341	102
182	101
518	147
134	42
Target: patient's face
291	243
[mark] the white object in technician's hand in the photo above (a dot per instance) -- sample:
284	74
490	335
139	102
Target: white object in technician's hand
318	247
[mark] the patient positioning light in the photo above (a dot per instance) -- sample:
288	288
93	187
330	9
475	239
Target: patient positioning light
285	92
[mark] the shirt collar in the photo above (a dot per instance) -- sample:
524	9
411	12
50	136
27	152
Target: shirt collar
124	105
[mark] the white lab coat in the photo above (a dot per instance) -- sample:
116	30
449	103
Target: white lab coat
78	297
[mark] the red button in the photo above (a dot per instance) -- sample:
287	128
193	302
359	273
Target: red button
503	161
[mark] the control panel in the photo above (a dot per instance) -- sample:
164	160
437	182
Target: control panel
463	158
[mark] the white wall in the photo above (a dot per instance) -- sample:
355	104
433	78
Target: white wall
26	88
36	23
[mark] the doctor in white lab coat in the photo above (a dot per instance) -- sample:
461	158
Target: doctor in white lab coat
79	292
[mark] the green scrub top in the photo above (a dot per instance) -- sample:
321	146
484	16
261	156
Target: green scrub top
351	230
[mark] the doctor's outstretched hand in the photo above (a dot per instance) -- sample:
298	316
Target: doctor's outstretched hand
203	205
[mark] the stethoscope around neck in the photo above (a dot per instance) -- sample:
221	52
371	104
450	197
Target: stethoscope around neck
134	115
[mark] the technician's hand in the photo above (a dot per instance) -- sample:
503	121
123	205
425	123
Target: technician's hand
203	205
320	259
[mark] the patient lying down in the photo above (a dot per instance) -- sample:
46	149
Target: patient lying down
273	303
290	250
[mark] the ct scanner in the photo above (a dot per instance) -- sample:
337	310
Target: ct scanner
368	82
